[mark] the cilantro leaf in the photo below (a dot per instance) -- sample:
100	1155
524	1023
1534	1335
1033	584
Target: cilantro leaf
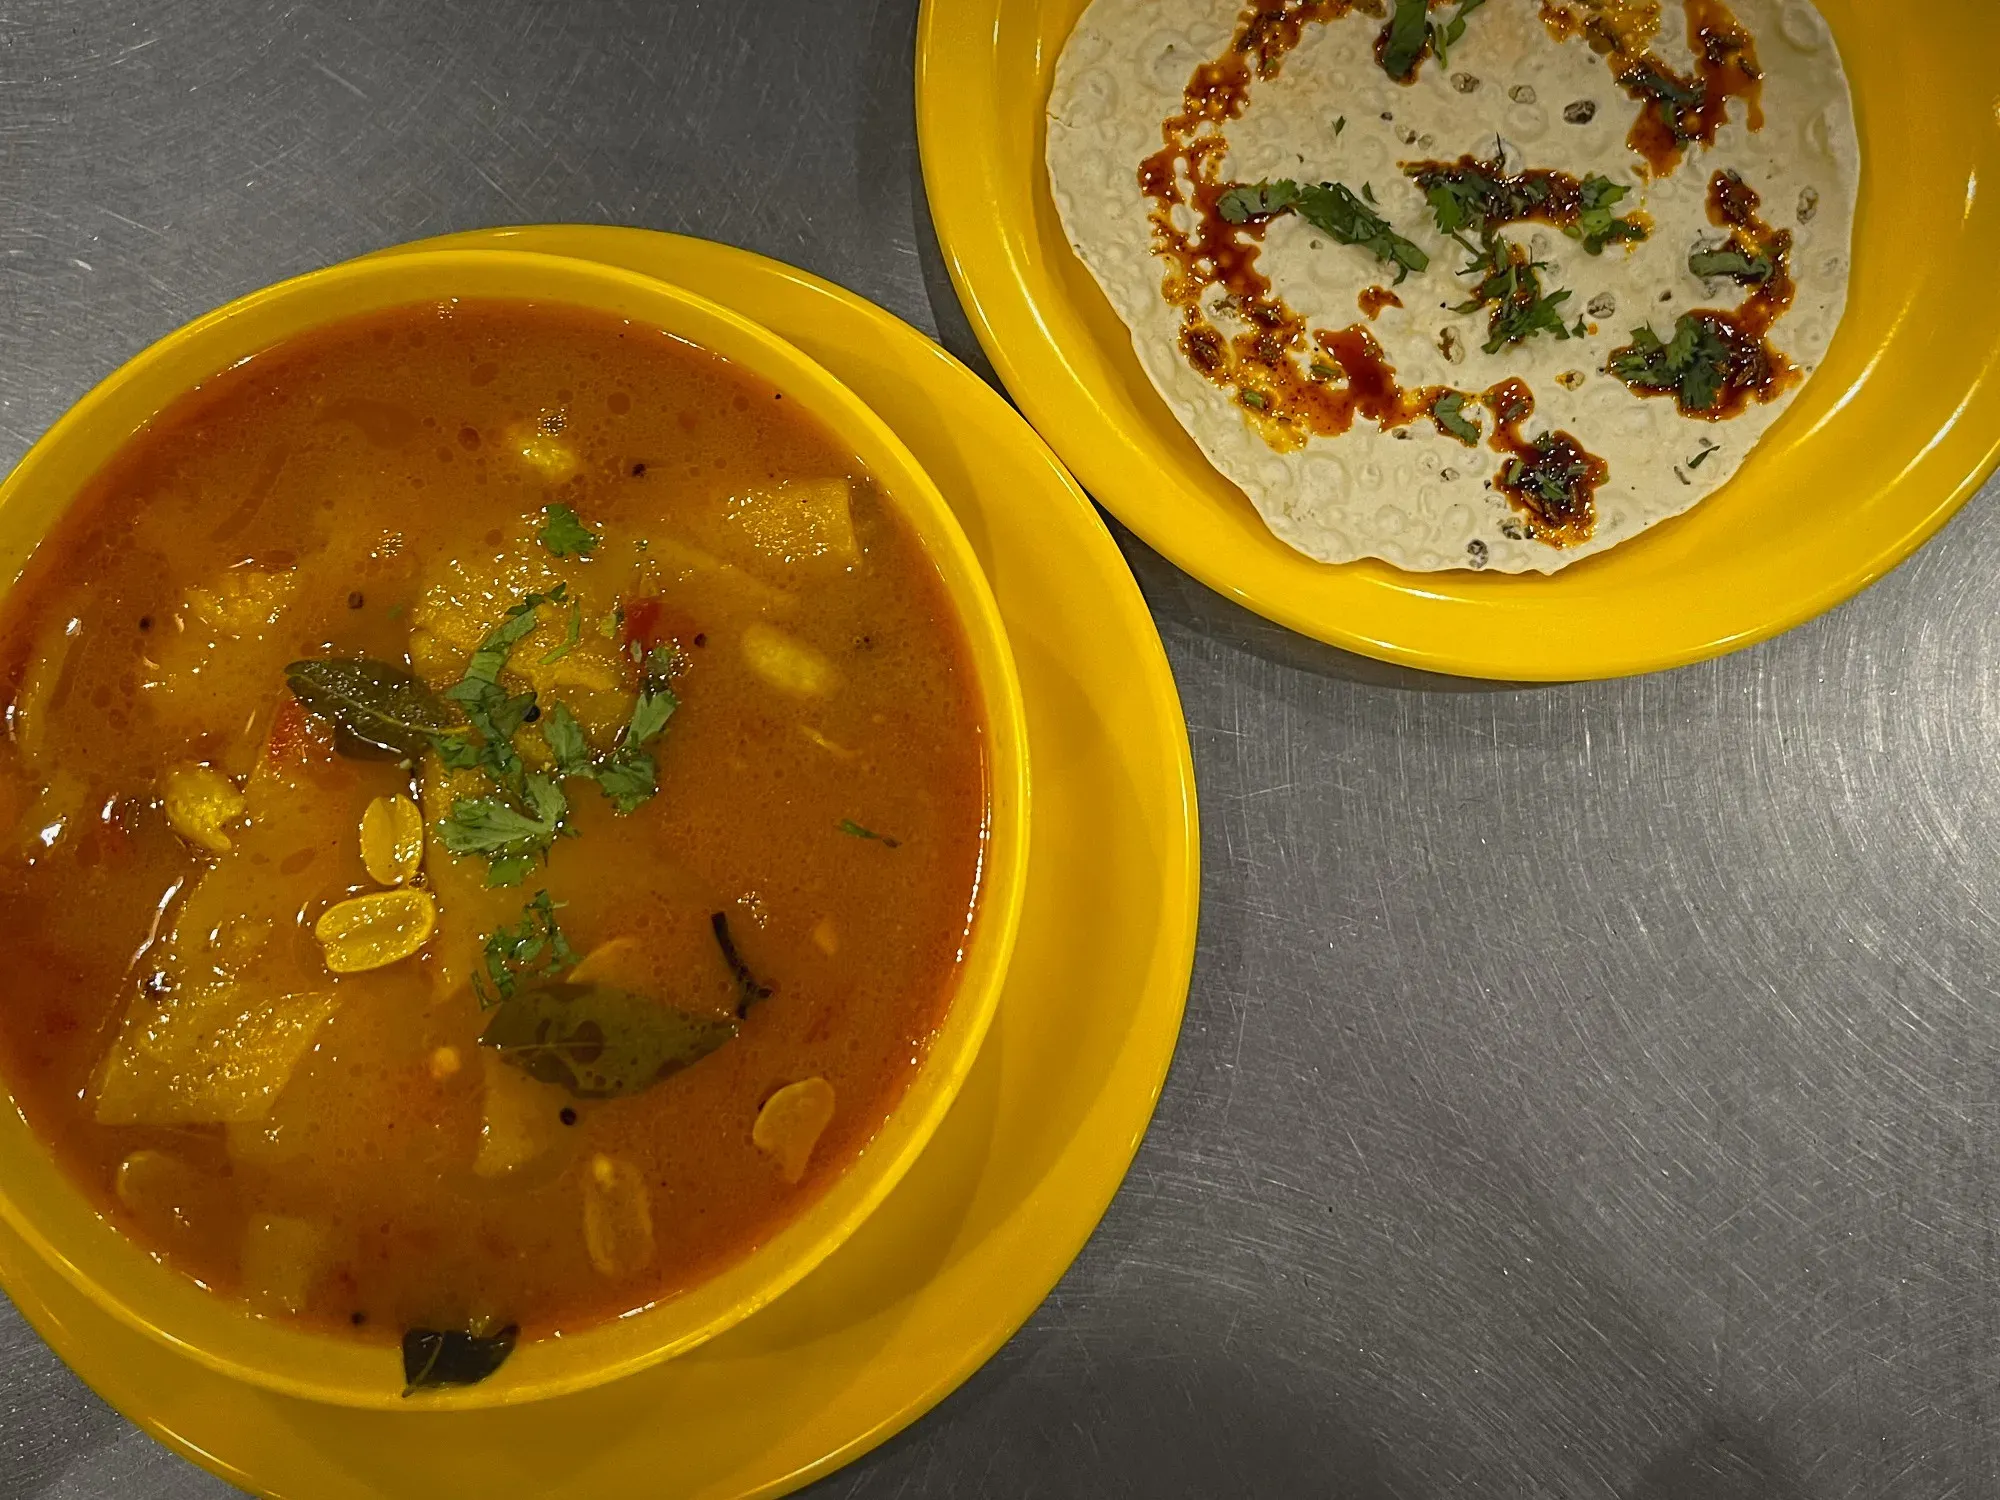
1405	40
1445	37
628	776
509	838
1693	366
1596	225
1511	284
566	741
569	640
1729	261
490	660
656	702
1520	319
1448	411
1242	203
566	536
855	831
532	948
1330	208
1555	478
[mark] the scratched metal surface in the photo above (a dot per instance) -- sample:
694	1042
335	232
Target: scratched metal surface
1587	1091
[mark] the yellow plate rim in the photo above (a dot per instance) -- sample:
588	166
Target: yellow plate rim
1049	1223
971	160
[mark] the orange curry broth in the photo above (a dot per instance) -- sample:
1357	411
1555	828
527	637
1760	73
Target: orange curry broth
366	462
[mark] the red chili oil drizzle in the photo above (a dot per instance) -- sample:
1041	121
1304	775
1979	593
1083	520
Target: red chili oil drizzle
1265	365
1374	298
1752	369
1344	372
1293	383
1555	458
1536	194
1726	68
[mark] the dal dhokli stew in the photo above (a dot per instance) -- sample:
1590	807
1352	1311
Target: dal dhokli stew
496	800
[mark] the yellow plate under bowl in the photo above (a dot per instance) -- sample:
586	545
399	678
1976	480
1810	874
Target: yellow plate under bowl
1021	1169
1896	430
37	1200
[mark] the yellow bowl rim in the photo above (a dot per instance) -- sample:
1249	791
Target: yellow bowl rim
842	1205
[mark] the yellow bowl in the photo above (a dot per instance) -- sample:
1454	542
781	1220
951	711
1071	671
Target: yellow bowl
39	1201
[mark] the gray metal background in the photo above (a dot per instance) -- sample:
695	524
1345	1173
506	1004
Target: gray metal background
1586	1091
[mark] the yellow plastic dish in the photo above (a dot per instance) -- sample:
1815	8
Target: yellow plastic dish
1016	1177
1897	429
53	1216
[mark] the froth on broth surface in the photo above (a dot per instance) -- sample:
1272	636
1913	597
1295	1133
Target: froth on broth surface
223	1008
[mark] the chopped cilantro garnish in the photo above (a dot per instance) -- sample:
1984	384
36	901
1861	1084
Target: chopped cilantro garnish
509	838
627	773
568	643
1596	225
1479	197
1242	203
1409	36
1331	209
1510	284
1412	33
1751	270
1555	474
1448	411
566	536
1671	98
1448	35
1692	366
532	948
487	663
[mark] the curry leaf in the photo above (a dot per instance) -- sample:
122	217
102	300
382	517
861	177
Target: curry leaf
749	988
434	1357
376	703
596	1041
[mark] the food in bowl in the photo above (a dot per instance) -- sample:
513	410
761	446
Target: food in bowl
497	799
1480	284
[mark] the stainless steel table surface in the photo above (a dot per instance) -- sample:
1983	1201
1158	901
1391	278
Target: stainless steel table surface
1586	1091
